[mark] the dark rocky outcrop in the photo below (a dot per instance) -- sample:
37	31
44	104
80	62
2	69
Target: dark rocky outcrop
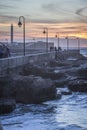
78	85
6	86
28	89
34	89
40	71
7	105
60	83
30	69
82	73
54	63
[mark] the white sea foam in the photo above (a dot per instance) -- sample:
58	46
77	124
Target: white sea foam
69	113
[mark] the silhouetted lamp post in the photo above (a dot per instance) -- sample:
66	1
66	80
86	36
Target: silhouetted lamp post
57	36
46	32
6	40
67	43
20	24
78	40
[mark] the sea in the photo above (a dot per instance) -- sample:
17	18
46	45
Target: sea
83	51
68	113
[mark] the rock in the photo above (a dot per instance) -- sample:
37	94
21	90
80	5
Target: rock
3	82
82	73
53	75
1	128
7	105
28	89
78	85
40	71
32	70
55	63
31	89
60	83
5	86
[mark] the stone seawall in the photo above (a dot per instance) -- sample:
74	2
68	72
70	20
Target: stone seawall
14	62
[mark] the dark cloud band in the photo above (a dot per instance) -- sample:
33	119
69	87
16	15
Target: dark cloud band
79	11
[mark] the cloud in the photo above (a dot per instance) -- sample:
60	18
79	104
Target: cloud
79	28
7	18
48	21
44	21
80	11
60	12
59	8
4	33
54	9
50	7
2	6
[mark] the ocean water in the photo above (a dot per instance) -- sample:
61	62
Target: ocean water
83	51
68	113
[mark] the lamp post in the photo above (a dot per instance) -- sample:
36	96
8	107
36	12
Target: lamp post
6	40
34	43
57	36
78	40
46	32
67	43
20	24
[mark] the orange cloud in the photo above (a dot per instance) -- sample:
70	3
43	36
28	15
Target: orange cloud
36	30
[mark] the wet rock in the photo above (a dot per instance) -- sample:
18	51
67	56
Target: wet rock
5	86
7	105
78	85
40	71
4	82
31	89
32	70
55	63
28	89
54	76
82	73
60	83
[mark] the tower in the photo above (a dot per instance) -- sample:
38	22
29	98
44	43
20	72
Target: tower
12	33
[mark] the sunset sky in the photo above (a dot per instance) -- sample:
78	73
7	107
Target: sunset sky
68	17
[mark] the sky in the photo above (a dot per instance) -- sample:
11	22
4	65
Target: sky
67	17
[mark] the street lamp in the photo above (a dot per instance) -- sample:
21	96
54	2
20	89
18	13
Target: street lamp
67	43
46	32
78	40
57	36
20	24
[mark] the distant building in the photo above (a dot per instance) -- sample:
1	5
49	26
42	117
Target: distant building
40	45
12	33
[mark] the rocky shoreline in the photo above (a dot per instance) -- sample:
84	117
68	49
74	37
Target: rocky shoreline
38	83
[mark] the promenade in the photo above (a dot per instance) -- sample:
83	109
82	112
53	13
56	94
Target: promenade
18	61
